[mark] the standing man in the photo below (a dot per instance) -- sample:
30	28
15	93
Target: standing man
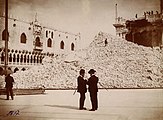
9	85
81	89
93	89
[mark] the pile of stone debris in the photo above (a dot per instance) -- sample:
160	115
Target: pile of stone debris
123	64
119	64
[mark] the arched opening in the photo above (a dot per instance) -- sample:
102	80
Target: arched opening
31	58
4	35
34	59
40	59
14	58
52	35
49	43
38	43
46	33
18	58
28	59
62	45
25	58
23	38
2	57
72	46
37	59
21	58
10	58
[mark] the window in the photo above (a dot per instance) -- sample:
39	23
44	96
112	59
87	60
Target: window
4	35
21	58
14	25
46	33
52	35
14	58
18	58
49	43
25	58
72	46
23	38
37	42
62	45
10	58
2	57
28	59
31	59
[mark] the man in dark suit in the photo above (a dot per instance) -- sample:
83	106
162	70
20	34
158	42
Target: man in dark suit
9	85
81	89
93	89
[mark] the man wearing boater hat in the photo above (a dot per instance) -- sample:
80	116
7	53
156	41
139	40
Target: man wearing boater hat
93	89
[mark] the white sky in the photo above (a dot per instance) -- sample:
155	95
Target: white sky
85	16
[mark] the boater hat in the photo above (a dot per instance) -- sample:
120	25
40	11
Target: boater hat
91	71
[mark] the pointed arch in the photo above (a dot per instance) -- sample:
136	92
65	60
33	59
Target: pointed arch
49	43
38	42
10	57
46	33
31	59
4	34
52	35
28	59
18	58
21	58
72	46
23	38
2	57
14	58
25	59
62	45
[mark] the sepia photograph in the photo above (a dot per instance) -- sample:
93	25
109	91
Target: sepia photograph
81	59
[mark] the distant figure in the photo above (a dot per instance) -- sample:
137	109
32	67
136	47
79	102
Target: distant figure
136	16
93	89
81	89
9	85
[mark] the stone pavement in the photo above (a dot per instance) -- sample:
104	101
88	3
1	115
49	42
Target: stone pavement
114	104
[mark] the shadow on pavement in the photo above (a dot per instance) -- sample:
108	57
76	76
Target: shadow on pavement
63	106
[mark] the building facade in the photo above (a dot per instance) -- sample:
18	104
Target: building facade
30	42
146	30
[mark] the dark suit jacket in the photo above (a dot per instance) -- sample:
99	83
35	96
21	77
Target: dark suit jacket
92	83
9	81
81	85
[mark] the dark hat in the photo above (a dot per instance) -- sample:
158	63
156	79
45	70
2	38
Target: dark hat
91	71
82	71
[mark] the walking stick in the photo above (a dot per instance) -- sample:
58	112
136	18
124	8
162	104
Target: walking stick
74	92
103	86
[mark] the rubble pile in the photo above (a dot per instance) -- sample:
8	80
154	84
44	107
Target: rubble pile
123	64
52	74
119	64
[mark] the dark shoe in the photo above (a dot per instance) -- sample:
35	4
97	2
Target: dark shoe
92	110
83	108
7	99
